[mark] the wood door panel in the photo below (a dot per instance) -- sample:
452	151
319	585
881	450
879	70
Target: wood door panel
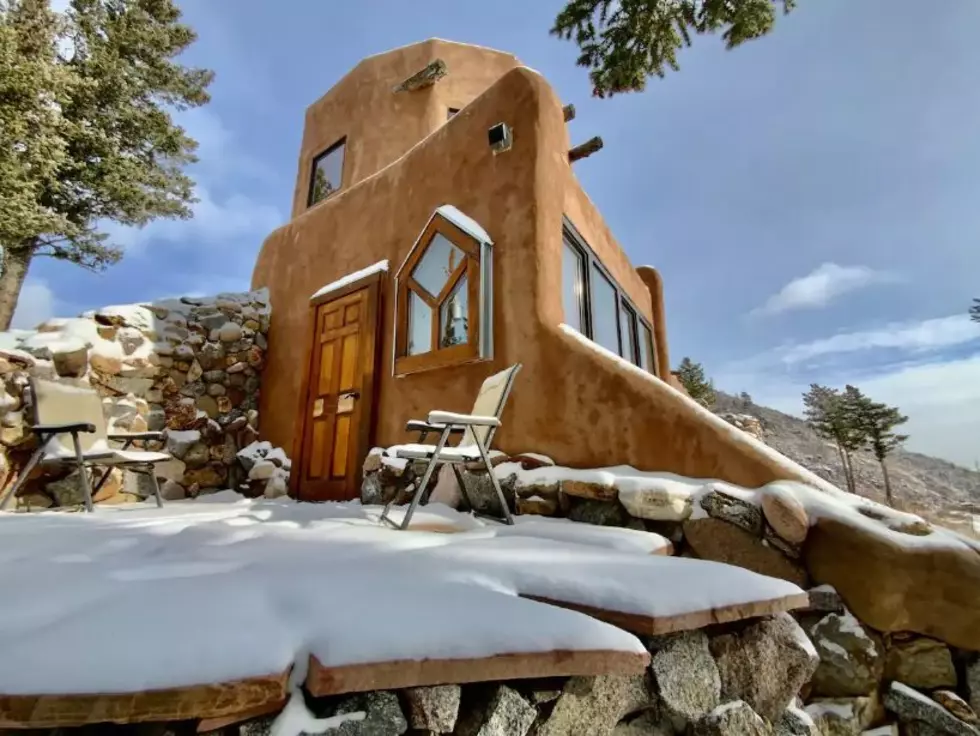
338	395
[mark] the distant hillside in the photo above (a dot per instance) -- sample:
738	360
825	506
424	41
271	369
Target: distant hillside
920	483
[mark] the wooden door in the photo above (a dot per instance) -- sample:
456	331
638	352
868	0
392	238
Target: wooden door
338	399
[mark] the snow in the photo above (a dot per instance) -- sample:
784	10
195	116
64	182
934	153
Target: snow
379	267
820	708
801	714
296	719
465	223
633	485
792	469
562	530
888	730
255	451
835	647
223	588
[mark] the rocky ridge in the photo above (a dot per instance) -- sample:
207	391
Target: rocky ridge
921	484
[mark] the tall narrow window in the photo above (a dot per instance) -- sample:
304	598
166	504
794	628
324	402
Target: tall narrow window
573	285
646	348
605	329
328	172
444	295
627	333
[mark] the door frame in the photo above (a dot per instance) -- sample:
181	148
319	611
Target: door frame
374	283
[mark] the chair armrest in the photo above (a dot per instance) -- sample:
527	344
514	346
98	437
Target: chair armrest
62	428
462	420
134	436
417	425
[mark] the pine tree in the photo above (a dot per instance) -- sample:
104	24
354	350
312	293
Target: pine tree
623	42
745	400
691	375
105	76
878	421
831	415
975	310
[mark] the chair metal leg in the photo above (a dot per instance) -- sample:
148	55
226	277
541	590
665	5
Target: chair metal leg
83	483
156	486
426	476
24	475
493	480
462	487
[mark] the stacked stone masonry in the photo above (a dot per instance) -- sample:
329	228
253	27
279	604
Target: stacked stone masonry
189	367
894	649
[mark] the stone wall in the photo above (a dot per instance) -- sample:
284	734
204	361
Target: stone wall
894	624
190	367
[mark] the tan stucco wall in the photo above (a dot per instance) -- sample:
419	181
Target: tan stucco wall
580	407
381	125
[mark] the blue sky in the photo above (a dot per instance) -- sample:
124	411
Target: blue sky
810	198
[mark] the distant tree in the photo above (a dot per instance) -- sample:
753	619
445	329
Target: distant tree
692	378
86	134
745	400
830	414
878	421
975	310
623	42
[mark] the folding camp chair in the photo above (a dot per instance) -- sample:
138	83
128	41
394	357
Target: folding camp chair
60	410
477	430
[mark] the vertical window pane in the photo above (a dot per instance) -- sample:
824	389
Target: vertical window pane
646	348
605	331
453	317
419	325
572	289
327	172
438	262
627	320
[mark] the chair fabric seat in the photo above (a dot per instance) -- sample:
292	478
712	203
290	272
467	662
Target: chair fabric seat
112	457
459	454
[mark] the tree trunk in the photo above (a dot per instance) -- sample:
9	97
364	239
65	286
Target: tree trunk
845	466
851	483
888	486
14	264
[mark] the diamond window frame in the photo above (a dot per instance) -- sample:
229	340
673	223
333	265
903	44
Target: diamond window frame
476	267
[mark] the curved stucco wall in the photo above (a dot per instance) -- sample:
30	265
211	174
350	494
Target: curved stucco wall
571	402
381	125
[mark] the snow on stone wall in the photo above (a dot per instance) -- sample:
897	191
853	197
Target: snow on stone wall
191	366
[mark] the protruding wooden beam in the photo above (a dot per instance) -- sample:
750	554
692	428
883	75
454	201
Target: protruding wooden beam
426	77
586	149
569	111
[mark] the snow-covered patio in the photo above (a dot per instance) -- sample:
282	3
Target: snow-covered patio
224	591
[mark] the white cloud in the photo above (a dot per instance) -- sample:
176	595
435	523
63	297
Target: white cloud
924	335
36	304
940	395
821	286
940	398
214	220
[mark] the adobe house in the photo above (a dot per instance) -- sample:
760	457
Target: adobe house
452	164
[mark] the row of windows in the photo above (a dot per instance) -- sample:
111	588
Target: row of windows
327	175
445	311
597	307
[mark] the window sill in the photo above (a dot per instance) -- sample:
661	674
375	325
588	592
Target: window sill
446	358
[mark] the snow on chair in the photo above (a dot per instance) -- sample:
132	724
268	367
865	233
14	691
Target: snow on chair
60	410
477	429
